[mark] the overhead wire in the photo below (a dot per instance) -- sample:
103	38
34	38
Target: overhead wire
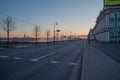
26	22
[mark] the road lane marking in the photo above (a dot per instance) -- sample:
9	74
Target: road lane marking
54	62
17	58
74	64
32	50
85	45
41	57
2	56
34	60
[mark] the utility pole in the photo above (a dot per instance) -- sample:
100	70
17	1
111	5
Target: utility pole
54	31
54	34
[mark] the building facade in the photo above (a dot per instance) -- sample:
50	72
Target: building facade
107	27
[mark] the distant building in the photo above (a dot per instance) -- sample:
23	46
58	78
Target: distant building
107	27
91	35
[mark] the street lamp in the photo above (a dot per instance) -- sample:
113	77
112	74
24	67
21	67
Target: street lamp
54	31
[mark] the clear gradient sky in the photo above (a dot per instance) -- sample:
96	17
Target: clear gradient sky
76	16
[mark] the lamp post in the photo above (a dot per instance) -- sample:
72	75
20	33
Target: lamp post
54	31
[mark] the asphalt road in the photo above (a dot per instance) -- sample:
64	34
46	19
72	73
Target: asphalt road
48	62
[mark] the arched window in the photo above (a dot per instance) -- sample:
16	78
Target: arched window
118	18
112	19
112	35
118	34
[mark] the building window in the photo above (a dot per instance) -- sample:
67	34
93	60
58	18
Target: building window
119	22
111	19
112	35
118	34
118	18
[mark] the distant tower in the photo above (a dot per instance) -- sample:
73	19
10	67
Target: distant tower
24	35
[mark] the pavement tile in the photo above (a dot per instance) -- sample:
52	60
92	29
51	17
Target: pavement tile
98	66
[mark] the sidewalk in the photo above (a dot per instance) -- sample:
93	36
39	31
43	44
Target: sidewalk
98	66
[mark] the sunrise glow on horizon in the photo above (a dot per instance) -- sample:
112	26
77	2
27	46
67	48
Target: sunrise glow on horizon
74	17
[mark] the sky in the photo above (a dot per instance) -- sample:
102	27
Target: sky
74	17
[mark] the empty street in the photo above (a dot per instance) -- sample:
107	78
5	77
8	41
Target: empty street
46	62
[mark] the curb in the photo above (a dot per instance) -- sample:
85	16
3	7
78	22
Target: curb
77	71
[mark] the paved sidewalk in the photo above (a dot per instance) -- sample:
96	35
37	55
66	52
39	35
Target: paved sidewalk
98	66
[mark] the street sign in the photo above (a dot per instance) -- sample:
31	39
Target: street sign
58	31
112	2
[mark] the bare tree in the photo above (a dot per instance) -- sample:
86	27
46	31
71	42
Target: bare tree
48	35
36	32
8	26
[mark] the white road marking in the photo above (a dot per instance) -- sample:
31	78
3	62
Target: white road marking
31	50
54	62
37	59
34	60
49	54
17	58
74	64
85	45
2	56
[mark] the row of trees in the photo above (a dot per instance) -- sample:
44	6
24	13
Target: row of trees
9	25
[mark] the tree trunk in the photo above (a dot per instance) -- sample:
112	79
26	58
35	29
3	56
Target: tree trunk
36	40
8	41
47	38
